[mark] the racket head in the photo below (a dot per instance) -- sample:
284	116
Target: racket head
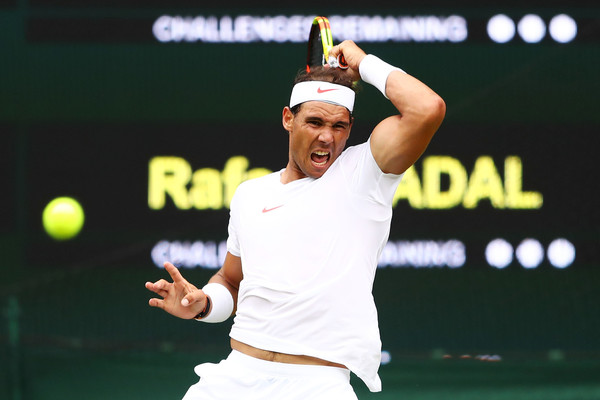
320	42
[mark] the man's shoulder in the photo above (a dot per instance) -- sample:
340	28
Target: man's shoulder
353	152
264	180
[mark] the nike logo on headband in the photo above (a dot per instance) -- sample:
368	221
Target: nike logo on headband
319	90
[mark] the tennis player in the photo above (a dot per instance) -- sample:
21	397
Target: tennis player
304	243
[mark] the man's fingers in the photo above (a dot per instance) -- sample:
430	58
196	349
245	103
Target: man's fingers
174	272
158	303
351	53
193	297
160	285
342	48
334	51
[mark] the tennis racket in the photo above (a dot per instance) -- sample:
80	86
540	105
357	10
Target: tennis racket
320	41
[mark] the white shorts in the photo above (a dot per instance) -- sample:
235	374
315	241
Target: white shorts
244	377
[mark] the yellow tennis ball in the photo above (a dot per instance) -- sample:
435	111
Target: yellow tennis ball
63	218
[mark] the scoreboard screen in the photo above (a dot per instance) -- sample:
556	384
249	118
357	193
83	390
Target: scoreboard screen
150	114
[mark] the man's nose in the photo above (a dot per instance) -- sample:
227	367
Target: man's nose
326	135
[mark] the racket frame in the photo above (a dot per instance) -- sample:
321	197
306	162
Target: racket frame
320	30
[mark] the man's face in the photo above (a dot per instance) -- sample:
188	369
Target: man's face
318	135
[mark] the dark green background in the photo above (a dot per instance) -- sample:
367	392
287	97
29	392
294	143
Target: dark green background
82	112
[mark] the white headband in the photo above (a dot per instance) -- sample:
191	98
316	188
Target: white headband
322	91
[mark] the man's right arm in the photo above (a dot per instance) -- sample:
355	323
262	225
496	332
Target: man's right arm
230	275
184	300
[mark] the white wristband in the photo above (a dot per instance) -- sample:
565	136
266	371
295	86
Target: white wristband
221	300
375	71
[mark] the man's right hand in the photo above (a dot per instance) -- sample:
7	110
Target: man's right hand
179	298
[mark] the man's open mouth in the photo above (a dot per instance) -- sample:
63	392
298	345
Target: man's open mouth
320	158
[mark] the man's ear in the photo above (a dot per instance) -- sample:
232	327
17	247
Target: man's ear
287	119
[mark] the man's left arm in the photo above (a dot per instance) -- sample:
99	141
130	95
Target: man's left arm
397	141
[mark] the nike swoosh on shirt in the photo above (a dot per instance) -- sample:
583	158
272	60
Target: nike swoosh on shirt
319	90
265	210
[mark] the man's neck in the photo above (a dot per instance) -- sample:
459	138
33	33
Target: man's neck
291	174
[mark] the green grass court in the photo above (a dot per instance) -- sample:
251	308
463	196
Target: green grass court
51	373
90	334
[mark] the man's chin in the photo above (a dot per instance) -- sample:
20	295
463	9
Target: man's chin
317	171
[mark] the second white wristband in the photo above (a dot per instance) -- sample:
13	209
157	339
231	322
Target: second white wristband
375	71
222	303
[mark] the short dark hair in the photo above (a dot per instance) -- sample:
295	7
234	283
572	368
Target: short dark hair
332	75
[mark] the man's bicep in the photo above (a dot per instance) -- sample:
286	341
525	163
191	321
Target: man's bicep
395	145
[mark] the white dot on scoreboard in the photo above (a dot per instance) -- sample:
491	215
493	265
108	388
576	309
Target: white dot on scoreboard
530	253
563	28
561	253
499	253
501	28
531	28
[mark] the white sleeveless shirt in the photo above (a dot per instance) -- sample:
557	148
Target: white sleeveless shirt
309	252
